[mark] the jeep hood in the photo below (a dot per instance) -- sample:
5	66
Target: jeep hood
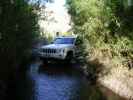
57	46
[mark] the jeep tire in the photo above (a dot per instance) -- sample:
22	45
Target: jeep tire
69	57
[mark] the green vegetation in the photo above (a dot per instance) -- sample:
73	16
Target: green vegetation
18	30
105	25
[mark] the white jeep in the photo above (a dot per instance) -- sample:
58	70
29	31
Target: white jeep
62	48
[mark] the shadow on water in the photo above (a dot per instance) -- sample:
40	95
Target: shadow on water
24	88
59	69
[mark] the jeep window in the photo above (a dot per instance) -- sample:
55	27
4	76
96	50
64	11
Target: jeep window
64	41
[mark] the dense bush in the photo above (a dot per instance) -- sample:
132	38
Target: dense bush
18	29
106	24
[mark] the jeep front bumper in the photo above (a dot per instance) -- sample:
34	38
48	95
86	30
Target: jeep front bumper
52	56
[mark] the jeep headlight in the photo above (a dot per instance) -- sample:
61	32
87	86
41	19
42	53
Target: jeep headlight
59	50
64	50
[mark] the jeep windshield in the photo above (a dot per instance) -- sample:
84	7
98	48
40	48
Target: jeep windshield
64	41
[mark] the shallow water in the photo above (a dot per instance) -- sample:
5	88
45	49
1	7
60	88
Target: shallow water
51	82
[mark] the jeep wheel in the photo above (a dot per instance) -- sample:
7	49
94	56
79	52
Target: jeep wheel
69	57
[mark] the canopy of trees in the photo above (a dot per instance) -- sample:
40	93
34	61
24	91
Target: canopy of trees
106	24
18	29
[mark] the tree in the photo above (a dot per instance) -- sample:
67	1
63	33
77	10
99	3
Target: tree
105	24
18	29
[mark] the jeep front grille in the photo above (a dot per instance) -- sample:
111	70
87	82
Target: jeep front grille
49	50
